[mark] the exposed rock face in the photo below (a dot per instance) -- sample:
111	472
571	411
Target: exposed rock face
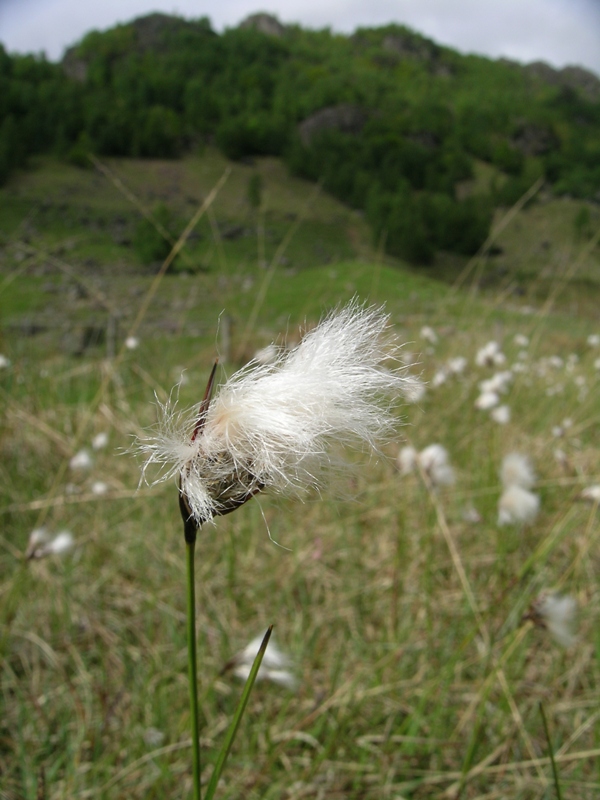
74	67
147	33
533	139
408	46
573	77
344	118
150	30
265	23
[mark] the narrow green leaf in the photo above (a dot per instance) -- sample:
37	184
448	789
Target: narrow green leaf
237	718
550	753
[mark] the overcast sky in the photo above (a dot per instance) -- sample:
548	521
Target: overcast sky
560	32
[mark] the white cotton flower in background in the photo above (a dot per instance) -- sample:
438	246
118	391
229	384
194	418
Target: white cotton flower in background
37	539
267	355
500	414
594	340
597	364
408	358
4	361
498	383
275	427
487	400
439	378
516	470
41	545
558	614
591	493
99	488
407	459
521	340
62	543
457	365
276	666
429	334
490	355
414	389
517	506
100	440
556	362
81	460
132	342
434	461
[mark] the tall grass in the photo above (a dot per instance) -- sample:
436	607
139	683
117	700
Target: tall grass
417	676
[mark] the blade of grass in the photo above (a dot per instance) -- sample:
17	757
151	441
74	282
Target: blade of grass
550	752
237	718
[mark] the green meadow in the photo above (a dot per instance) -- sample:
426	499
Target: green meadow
405	608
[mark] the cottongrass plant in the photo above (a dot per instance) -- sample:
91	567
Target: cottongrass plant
276	427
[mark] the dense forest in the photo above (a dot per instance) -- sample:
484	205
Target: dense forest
388	121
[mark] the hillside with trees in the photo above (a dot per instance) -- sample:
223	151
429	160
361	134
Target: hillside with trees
386	120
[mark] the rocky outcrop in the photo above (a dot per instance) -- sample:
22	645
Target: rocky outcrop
265	23
533	139
577	78
344	118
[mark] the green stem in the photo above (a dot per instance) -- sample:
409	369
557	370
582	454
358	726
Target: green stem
192	665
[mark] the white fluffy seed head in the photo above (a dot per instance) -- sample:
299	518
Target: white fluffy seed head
501	414
517	470
435	462
276	666
407	459
517	506
558	614
487	400
276	426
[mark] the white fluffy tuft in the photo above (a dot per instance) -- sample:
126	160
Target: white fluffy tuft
272	426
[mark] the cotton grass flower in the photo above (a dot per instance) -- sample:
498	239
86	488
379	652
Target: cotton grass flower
414	389
487	400
517	506
497	383
516	470
457	365
429	334
275	666
82	460
591	493
558	614
435	462
275	426
490	355
501	414
41	545
100	440
407	459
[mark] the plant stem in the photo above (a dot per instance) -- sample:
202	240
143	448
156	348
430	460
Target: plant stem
550	753
192	665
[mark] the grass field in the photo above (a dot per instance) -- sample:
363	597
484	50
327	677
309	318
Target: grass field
400	605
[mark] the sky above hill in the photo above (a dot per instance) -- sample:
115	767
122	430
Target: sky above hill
559	32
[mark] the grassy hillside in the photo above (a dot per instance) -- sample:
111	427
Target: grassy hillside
385	120
404	608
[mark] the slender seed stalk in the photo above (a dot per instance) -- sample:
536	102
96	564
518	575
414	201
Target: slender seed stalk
192	664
